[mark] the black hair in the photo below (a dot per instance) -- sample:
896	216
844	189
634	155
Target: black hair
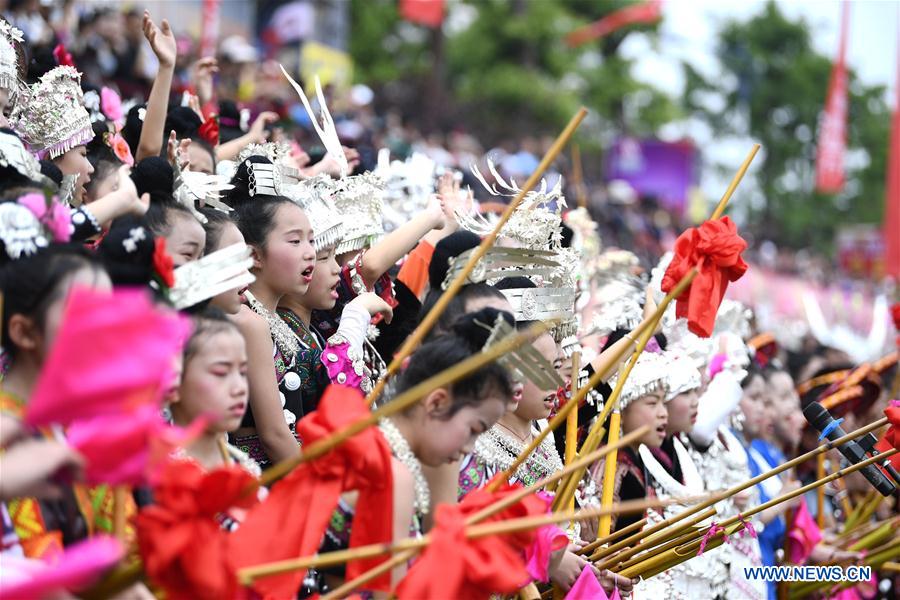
153	174
254	215
210	321
450	247
467	336
457	306
51	172
184	121
128	263
215	223
162	212
229	121
514	283
131	130
101	156
30	284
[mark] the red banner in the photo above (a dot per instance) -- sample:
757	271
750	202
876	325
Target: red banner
833	127
424	12
645	12
892	192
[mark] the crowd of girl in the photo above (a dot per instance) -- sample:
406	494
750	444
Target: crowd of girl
291	287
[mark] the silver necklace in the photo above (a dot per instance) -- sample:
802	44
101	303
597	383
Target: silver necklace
285	339
500	450
401	450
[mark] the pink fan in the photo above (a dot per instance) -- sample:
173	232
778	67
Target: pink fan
76	568
128	448
113	353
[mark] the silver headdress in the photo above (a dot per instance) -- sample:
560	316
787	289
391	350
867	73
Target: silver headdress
12	67
51	117
619	292
223	270
20	231
408	186
541	304
272	178
14	155
533	224
360	199
499	262
67	190
683	375
524	361
193	189
649	375
327	132
314	197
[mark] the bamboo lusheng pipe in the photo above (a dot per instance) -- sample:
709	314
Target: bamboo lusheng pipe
473	519
572	419
656	542
598	430
656	564
875	537
853	520
404	400
828	445
247	575
820	493
419	333
857	532
609	471
685	538
636	526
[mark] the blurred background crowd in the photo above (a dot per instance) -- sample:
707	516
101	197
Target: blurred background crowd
673	112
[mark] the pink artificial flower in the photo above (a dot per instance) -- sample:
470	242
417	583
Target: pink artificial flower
120	149
129	448
55	217
111	105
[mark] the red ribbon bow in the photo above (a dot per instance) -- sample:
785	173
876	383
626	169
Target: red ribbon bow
292	520
715	249
892	436
454	566
62	56
209	131
183	546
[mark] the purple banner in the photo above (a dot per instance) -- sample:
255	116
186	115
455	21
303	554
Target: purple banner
653	168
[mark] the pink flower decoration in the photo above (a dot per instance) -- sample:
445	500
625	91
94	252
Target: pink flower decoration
111	105
55	217
75	569
121	150
129	449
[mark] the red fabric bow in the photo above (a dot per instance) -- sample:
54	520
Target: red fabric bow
292	520
209	131
163	264
715	249
62	56
183	546
453	566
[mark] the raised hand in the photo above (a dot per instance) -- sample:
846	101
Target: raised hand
203	71
258	133
162	41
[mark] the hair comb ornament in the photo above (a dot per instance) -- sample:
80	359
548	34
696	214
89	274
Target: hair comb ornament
67	191
194	189
499	262
14	155
326	131
541	304
52	118
223	270
268	179
525	360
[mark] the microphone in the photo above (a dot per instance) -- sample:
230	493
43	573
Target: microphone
822	421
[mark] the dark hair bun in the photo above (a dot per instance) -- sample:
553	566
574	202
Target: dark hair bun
127	251
475	328
450	247
153	174
241	181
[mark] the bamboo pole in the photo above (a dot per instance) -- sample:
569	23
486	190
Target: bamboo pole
120	498
828	445
656	564
416	337
820	493
618	533
609	473
572	418
597	431
877	559
404	400
475	518
578	177
249	574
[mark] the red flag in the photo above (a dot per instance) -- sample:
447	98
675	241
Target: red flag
424	12
892	192
645	12
833	130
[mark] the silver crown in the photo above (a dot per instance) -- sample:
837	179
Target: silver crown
533	224
682	375
12	69
525	361
408	186
223	270
649	375
314	197
193	189
499	262
360	200
541	304
14	155
51	116
269	179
